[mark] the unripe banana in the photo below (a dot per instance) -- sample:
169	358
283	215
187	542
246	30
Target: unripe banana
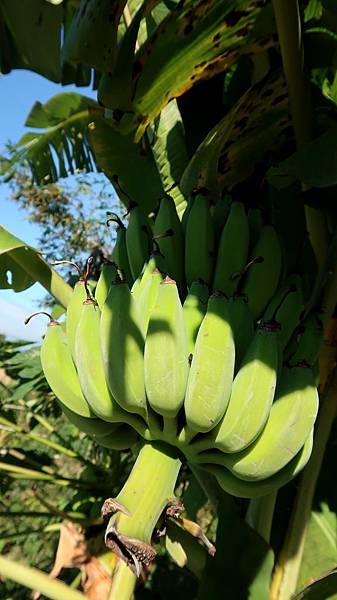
233	250
252	392
156	261
74	310
262	277
147	298
211	374
122	346
165	356
310	342
290	421
220	214
60	372
89	363
254	489
194	309
91	426
138	235
286	307
255	222
121	438
108	274
171	246
199	241
242	323
119	254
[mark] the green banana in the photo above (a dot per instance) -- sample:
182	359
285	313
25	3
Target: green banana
89	363
210	379
147	298
121	438
122	346
262	277
292	417
156	261
74	310
89	425
108	274
138	236
252	392
119	254
199	241
194	309
286	307
60	372
254	489
242	323
165	355
171	246
255	223
220	215
308	347
233	250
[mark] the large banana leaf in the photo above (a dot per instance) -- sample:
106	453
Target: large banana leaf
256	125
21	266
117	154
30	33
195	41
167	138
92	36
63	146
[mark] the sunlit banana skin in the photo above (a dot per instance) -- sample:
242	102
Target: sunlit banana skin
199	241
60	372
211	374
233	250
122	344
165	356
89	363
172	246
108	274
262	277
252	392
138	236
74	310
147	298
194	309
255	489
290	421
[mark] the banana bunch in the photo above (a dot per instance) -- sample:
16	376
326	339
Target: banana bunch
198	343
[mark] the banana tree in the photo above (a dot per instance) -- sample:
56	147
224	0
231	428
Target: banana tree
216	126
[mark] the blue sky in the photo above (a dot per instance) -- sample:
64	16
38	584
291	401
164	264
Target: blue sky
18	92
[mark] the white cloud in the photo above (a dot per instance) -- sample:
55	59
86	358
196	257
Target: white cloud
12	324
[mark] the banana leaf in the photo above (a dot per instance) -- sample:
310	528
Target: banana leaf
195	41
21	266
30	37
62	147
258	124
117	154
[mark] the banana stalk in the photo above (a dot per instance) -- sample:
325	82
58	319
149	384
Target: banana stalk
138	507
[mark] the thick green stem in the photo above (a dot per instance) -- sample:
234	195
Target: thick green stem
140	504
123	583
287	570
288	23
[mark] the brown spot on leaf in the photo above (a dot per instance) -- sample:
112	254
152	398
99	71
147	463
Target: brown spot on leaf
234	17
